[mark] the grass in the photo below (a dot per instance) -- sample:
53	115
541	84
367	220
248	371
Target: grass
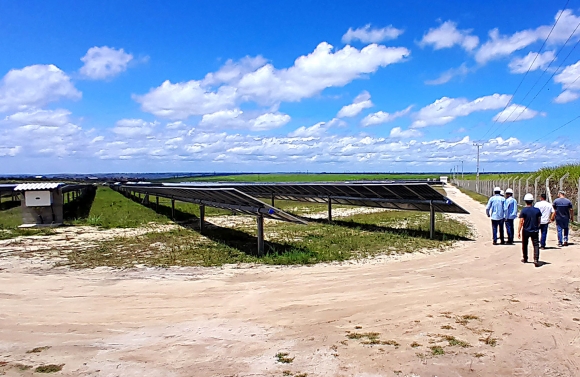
38	349
49	368
361	236
282	357
318	177
437	350
415	345
453	341
475	196
489	340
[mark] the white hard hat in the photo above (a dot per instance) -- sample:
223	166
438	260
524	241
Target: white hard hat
501	192
529	198
509	191
496	189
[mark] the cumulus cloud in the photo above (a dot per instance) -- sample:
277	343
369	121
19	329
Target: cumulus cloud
104	62
317	130
570	80
56	117
381	117
367	34
361	102
233	71
499	46
446	109
237	119
134	128
446	76
540	61
33	87
310	75
447	35
399	133
516	113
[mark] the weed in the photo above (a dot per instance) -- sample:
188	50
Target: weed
38	349
49	368
393	343
453	341
447	327
489	341
547	324
286	373
301	375
437	350
22	367
369	335
282	357
479	354
415	345
358	327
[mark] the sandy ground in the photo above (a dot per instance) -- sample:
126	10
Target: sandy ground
233	321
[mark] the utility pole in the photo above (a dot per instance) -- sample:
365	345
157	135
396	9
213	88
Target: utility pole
461	169
477	176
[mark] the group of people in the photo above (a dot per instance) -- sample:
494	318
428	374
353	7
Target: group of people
534	220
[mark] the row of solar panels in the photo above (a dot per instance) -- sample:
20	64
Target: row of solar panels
241	197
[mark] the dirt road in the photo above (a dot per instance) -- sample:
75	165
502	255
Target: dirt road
475	310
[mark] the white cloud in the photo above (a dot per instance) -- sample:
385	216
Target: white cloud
317	130
446	109
522	65
367	34
447	35
567	96
134	128
399	133
233	71
570	80
237	119
266	85
182	100
381	117
499	46
34	86
516	113
361	102
57	117
104	62
446	76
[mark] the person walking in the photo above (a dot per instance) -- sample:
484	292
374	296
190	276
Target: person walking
546	208
563	214
530	218
495	211
511	213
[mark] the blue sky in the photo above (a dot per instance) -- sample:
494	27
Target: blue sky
127	86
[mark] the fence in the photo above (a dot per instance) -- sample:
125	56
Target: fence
530	184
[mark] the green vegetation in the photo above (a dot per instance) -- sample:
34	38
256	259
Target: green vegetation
50	368
360	236
282	357
301	177
437	350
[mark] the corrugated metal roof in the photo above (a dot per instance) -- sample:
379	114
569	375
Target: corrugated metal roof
38	186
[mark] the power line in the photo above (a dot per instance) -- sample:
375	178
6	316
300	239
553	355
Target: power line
556	129
531	65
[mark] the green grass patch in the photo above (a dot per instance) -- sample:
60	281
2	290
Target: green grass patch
360	236
282	357
437	350
315	177
49	368
475	196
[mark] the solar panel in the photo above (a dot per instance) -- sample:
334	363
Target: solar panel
402	196
218	197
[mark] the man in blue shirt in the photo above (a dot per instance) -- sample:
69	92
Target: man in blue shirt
511	212
495	209
563	214
530	219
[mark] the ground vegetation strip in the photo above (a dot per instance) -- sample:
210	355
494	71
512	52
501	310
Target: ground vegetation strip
303	177
232	239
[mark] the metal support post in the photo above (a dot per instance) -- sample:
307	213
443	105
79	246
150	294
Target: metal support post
146	199
273	197
431	221
157	203
201	217
477	176
172	209
260	220
329	209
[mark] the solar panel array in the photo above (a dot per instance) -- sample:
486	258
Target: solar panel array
218	197
401	196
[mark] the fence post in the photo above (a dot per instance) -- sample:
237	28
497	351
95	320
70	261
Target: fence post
536	185
562	181
528	183
548	193
578	204
520	190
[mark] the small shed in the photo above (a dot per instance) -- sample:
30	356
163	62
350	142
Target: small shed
43	203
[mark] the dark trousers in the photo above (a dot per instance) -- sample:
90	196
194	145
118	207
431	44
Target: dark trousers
535	243
543	234
494	225
509	227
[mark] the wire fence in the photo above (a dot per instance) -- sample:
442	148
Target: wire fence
521	186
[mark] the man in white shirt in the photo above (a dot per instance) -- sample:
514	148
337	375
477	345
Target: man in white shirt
546	208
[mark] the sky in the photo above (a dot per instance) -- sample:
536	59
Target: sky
294	86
